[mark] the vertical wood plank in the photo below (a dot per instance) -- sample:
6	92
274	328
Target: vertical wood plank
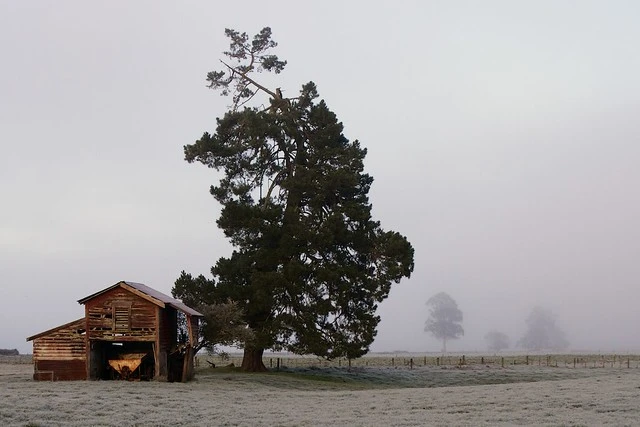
156	346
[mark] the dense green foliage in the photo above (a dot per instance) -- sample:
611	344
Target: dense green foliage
310	264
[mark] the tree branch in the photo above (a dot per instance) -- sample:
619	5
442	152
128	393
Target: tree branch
250	80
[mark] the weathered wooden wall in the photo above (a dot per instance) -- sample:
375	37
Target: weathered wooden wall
119	315
168	328
60	354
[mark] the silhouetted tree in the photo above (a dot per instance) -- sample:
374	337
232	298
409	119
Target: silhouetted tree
444	318
310	264
542	332
496	341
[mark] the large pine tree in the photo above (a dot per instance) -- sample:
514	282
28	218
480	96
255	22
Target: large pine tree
310	264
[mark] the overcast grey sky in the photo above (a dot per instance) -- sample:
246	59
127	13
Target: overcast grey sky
503	137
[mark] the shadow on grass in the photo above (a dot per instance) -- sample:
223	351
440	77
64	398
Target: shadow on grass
363	378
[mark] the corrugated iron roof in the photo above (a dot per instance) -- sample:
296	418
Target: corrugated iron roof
166	299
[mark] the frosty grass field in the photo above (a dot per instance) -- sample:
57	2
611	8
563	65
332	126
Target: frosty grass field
372	395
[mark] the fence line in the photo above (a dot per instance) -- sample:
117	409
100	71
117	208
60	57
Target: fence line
416	361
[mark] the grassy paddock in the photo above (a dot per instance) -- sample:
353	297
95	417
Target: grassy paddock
21	359
366	395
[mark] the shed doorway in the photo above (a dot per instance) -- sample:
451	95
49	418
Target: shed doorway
132	361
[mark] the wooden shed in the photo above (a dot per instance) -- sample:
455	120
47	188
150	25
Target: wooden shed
129	331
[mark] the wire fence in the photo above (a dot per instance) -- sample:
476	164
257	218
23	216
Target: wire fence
412	361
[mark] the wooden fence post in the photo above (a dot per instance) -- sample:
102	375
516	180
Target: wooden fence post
411	363
503	362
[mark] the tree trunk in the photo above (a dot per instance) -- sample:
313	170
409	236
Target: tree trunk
252	360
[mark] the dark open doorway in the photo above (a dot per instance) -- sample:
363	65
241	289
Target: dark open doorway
121	361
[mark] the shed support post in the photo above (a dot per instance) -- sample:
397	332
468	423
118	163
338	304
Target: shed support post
187	364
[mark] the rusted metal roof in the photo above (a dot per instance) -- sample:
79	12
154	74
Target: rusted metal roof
160	298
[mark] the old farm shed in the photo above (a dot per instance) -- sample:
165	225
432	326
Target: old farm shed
129	331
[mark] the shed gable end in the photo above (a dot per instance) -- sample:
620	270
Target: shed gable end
121	315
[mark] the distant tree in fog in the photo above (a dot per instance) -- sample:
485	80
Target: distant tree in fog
445	319
542	332
496	341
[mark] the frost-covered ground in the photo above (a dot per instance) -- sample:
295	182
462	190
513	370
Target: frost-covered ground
316	397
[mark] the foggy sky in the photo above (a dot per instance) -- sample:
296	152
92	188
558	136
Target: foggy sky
503	138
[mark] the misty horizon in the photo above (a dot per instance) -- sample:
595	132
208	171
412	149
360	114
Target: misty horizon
502	138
